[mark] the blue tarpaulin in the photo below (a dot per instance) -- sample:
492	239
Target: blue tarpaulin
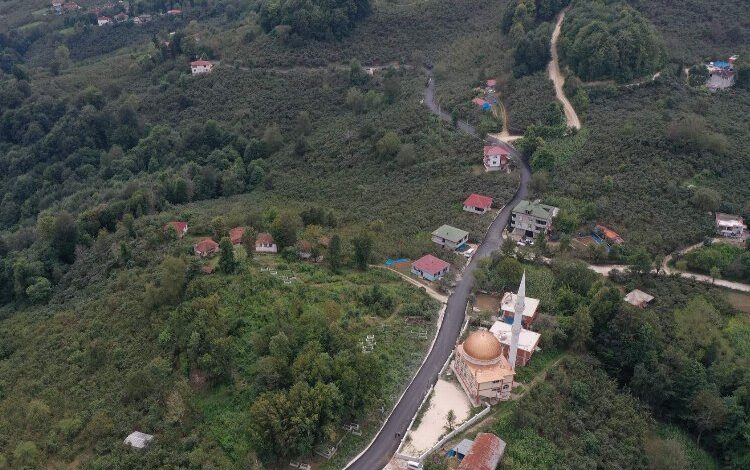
391	262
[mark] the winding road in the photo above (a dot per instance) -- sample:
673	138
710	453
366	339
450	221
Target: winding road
385	443
557	78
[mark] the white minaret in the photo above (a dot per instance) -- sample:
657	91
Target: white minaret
515	330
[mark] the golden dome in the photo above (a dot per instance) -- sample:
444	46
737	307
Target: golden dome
482	346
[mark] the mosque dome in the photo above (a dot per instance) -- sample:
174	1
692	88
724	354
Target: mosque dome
482	346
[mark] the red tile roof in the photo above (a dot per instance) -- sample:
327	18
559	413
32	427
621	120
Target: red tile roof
495	150
197	63
235	235
610	235
491	82
264	238
485	453
429	264
478	201
174	12
179	227
478	101
206	246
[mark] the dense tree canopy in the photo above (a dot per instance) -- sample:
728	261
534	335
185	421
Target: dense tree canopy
315	19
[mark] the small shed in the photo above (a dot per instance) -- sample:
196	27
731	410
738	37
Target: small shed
461	450
485	454
638	298
139	440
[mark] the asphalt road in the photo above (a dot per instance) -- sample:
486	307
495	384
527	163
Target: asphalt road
385	444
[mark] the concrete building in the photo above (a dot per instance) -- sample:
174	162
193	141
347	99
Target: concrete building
485	453
264	243
477	204
496	158
430	267
530	218
482	370
728	225
198	67
527	341
508	309
450	237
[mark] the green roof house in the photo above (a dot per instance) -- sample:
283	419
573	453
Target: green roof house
450	237
530	218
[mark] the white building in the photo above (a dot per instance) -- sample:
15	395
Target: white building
102	20
201	66
264	243
729	225
450	237
527	341
508	308
496	158
482	370
530	218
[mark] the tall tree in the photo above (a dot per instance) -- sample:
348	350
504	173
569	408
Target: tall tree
227	263
334	254
362	250
65	237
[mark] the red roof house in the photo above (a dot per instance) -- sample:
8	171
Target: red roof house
609	235
496	157
479	102
492	83
477	203
485	453
430	267
180	227
174	12
206	247
264	243
235	235
201	66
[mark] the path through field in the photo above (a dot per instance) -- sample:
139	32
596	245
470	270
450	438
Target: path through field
558	80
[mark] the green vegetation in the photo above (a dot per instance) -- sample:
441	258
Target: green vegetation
315	19
609	40
732	262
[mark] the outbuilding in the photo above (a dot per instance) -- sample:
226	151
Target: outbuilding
485	453
139	440
639	298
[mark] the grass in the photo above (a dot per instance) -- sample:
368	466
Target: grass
697	457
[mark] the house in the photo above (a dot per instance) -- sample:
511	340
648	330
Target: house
639	298
477	204
530	218
141	19
430	267
485	453
201	66
102	20
139	440
461	450
206	247
121	17
482	103
608	235
496	158
729	225
450	237
264	243
491	83
71	6
508	308
180	227
57	6
236	234
481	368
304	249
527	341
721	74
174	12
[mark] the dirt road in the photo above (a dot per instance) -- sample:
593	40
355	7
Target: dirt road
558	80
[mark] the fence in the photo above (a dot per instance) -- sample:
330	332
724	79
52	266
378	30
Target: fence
455	432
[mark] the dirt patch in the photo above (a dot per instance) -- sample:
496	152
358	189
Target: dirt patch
488	302
740	301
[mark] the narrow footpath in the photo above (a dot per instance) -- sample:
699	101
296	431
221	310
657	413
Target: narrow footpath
386	442
557	78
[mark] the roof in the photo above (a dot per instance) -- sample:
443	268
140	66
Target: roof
527	340
235	235
430	264
477	200
729	219
485	454
530	304
610	234
198	63
179	227
638	297
206	245
543	211
721	64
264	238
463	447
491	82
495	150
487	370
483	346
174	12
138	439
479	101
450	233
